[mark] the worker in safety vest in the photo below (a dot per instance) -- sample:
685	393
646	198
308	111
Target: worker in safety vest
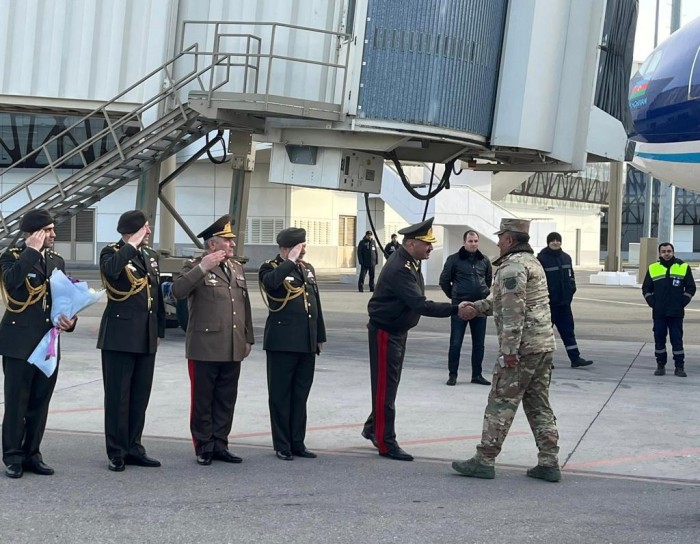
668	288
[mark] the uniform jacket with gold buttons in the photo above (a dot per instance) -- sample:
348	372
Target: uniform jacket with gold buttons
134	324
298	326
21	332
220	321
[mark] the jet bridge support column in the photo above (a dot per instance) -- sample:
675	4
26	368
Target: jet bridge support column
147	194
617	178
242	151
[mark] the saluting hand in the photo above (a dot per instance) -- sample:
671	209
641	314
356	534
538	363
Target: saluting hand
295	252
212	260
137	238
36	240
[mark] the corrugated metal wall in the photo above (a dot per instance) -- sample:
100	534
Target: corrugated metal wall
432	62
79	49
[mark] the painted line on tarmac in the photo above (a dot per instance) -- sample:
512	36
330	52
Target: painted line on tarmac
634	459
362	451
607	301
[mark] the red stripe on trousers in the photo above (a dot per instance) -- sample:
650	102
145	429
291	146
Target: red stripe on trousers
190	369
380	399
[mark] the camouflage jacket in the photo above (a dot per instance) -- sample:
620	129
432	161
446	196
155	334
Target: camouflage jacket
520	303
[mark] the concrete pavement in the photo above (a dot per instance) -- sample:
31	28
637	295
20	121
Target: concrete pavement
630	446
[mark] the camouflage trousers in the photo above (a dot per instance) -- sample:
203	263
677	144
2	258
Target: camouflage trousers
528	382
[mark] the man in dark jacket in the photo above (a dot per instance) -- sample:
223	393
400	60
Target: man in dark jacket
467	275
394	309
26	292
562	286
668	288
367	257
392	247
294	335
132	325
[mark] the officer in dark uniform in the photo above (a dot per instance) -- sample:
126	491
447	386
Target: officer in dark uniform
294	335
27	296
219	337
395	308
132	323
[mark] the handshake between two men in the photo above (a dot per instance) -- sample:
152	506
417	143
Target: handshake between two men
467	311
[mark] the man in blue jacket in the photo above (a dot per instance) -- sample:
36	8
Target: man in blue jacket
562	286
467	275
668	288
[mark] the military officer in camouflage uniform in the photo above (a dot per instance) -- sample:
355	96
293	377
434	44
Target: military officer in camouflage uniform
520	306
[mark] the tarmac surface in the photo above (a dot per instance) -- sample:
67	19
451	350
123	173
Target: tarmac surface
630	446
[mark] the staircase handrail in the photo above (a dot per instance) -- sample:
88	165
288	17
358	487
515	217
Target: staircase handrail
480	195
111	128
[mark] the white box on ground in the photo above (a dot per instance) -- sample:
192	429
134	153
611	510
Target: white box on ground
613	278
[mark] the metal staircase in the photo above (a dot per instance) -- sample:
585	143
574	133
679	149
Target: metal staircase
223	89
133	147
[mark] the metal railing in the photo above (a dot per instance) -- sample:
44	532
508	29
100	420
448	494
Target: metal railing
255	60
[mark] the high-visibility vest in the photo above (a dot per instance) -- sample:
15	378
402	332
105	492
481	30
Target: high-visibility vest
657	271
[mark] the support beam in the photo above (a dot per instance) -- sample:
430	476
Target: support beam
147	193
617	177
166	232
242	151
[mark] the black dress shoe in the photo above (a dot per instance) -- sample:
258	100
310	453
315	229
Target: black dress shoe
116	464
285	455
481	380
397	454
452	380
578	363
141	461
370	436
227	457
304	453
205	458
14	470
39	467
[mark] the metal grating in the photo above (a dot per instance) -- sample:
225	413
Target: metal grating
432	63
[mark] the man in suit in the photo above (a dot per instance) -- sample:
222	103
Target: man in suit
219	337
25	272
131	326
294	335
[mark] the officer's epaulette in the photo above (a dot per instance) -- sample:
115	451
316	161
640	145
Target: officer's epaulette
15	251
149	248
408	265
195	260
51	252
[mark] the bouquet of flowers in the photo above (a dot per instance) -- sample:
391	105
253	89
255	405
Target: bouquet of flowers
68	297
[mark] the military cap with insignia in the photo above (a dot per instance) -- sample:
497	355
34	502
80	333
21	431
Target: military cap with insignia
511	224
291	237
131	221
420	231
34	220
220	228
